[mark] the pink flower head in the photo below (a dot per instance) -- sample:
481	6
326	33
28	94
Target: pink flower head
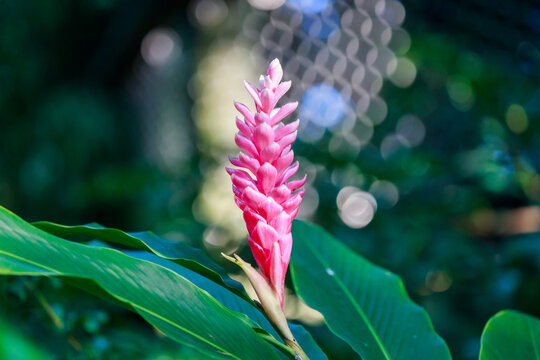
270	201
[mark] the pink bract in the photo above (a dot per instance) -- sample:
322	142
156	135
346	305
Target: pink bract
269	201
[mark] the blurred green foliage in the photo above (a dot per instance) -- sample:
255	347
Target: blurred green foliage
75	150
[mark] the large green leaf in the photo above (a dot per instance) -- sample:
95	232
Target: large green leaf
171	261
176	251
254	316
169	301
173	254
511	335
230	300
189	262
363	304
144	240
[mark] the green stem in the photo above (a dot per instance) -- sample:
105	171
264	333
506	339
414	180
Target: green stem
270	305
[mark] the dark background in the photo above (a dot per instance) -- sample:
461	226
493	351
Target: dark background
97	126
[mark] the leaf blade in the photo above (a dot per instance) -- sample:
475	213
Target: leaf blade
176	251
227	298
177	257
379	322
511	335
194	316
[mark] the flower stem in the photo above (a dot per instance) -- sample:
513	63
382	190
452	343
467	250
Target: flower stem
299	354
270	305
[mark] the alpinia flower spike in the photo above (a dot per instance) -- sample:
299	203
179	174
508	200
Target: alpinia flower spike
270	201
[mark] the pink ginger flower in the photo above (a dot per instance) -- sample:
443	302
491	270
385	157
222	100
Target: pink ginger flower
270	201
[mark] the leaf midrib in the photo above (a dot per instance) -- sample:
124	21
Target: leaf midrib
351	298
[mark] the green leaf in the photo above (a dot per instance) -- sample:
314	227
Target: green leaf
176	251
172	254
511	335
13	266
306	341
169	301
363	304
248	310
254	316
176	256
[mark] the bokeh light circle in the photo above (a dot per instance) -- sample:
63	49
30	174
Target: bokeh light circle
158	47
266	4
309	6
411	130
386	193
322	105
356	207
